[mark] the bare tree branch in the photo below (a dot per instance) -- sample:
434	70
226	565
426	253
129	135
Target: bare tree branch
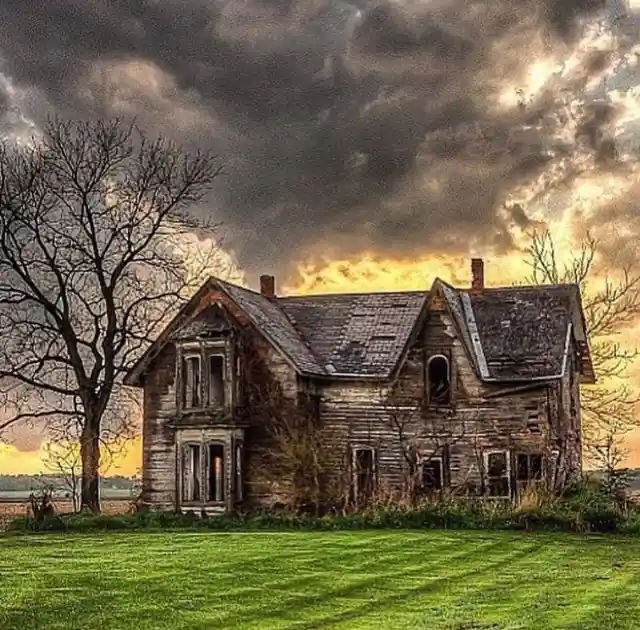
92	222
610	408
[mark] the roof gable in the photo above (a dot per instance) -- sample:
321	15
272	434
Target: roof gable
510	334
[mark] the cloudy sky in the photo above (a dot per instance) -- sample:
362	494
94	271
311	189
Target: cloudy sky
366	145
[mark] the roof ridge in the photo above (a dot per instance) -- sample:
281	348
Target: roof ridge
354	294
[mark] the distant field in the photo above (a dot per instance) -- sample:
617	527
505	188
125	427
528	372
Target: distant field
11	509
304	581
22	495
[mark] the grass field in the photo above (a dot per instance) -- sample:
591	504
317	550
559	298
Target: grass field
305	581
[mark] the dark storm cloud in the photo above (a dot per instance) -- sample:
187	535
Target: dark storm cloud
376	130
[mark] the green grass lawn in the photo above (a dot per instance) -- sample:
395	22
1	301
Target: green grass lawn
301	581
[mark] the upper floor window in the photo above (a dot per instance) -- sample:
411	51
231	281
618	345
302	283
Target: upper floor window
438	380
203	380
191	382
216	380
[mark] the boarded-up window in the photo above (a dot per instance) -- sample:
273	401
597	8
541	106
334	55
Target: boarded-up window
216	380
191	382
432	474
528	469
364	473
239	471
497	468
191	473
438	380
215	481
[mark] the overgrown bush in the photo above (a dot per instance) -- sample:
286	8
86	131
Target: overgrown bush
584	508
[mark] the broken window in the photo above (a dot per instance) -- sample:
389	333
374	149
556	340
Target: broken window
191	382
216	380
363	472
438	380
497	472
432	474
528	469
215	481
239	472
191	473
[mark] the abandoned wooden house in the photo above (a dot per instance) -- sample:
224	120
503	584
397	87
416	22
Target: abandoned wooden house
473	389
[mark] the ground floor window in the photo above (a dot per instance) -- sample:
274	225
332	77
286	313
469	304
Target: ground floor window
497	470
215	473
239	470
203	472
528	469
432	474
364	469
191	473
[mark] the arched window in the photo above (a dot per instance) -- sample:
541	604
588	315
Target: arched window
438	380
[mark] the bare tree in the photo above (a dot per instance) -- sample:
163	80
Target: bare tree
610	408
63	460
93	221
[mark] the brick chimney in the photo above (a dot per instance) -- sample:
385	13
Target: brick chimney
477	274
268	286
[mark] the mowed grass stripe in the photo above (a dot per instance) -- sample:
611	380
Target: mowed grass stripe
303	581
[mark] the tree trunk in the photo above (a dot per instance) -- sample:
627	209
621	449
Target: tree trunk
90	457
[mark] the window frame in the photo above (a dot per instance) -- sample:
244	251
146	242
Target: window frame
529	481
209	355
184	448
354	468
507	475
427	460
238	471
187	356
207	472
447	360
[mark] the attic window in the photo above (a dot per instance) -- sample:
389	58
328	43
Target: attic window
383	338
438	380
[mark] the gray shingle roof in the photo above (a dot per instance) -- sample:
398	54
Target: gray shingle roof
514	333
523	330
273	323
363	334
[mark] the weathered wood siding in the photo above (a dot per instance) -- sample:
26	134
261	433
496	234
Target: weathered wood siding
165	427
520	418
482	417
158	438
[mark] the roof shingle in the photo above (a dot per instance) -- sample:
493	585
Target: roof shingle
359	334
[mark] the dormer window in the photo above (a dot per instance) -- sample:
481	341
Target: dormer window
191	381
438	380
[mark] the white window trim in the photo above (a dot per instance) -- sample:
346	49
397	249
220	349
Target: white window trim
354	461
184	446
185	358
223	356
507	455
428	379
426	460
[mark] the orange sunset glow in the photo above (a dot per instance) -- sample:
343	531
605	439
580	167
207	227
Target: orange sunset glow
368	273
